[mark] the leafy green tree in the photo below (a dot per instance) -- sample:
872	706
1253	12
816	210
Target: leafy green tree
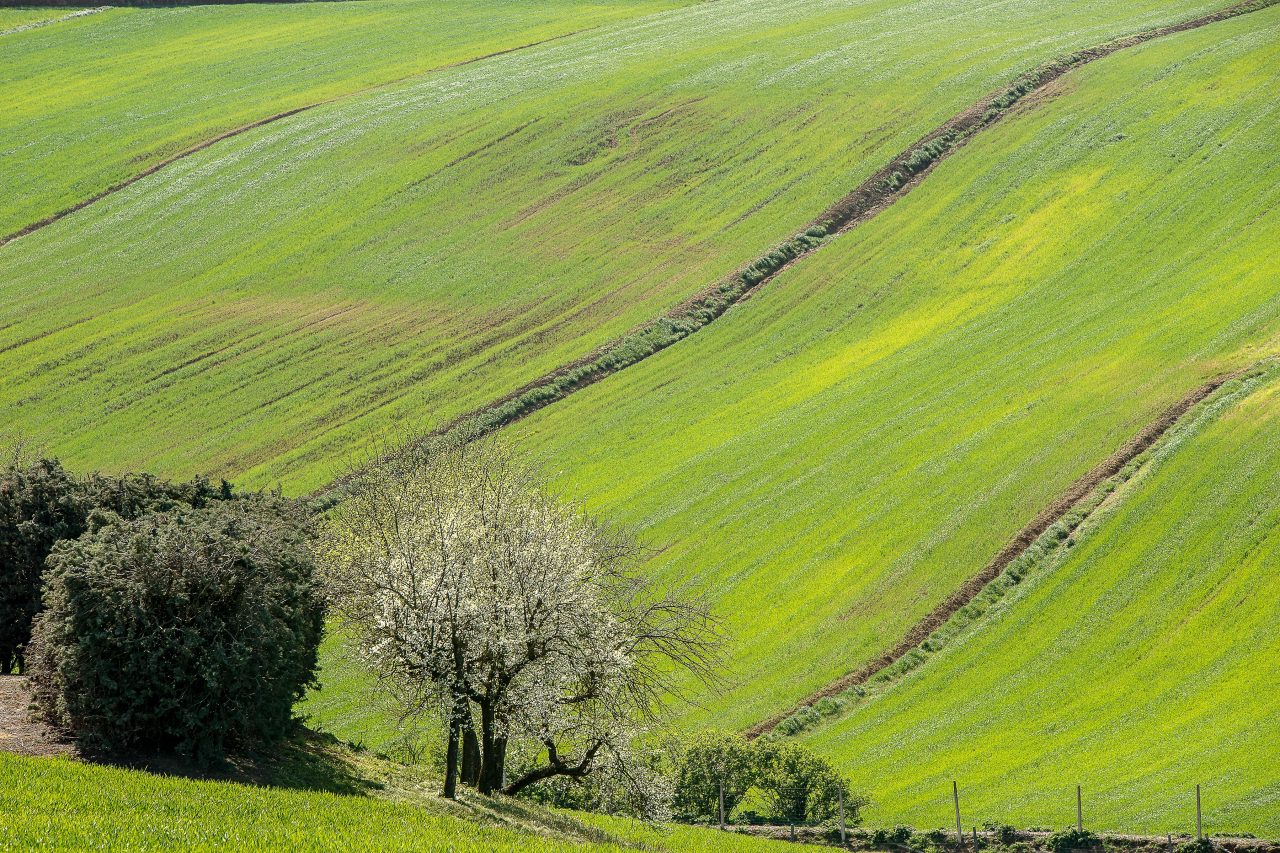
709	759
802	786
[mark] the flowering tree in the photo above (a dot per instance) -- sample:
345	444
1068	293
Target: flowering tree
475	591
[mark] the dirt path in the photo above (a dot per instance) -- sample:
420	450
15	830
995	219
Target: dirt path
200	146
1081	488
18	731
890	183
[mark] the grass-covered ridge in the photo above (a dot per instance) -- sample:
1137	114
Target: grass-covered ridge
64	804
1137	663
403	256
834	457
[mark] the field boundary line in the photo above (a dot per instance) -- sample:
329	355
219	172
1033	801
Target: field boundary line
35	25
875	194
1020	544
271	119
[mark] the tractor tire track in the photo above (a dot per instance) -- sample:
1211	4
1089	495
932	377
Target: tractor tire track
875	194
1023	540
271	119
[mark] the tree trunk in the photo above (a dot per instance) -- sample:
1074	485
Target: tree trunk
470	750
451	761
494	751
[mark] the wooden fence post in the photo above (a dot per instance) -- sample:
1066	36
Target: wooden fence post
955	793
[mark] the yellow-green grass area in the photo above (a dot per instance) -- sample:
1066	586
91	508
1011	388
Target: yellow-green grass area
58	803
841	451
267	306
1137	664
18	19
352	705
95	100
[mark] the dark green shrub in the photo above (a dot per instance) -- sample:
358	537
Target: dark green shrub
191	630
936	837
42	504
1196	845
1071	839
1001	833
802	786
709	759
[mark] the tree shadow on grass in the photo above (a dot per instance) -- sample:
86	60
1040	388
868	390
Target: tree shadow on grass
306	761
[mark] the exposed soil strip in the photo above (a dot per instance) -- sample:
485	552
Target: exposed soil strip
902	174
34	25
200	146
920	631
20	732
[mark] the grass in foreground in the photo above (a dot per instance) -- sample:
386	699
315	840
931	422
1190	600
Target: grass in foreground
261	308
1137	664
63	804
837	454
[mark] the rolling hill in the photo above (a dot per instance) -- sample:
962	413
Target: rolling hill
444	202
279	300
837	454
1137	664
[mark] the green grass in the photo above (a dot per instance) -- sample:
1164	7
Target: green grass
90	102
22	18
267	306
61	804
841	451
1136	664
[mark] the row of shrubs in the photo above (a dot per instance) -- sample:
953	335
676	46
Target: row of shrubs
156	615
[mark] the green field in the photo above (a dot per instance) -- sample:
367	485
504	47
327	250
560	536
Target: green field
95	100
61	804
837	454
266	307
827	462
1137	664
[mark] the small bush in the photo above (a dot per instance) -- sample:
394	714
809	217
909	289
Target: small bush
897	835
1001	833
191	630
708	760
1071	839
1196	845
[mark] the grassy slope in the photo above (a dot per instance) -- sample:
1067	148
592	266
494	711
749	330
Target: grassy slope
89	102
266	305
837	454
62	804
1140	663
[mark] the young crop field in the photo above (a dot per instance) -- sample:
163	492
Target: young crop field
836	455
61	804
100	97
277	301
1136	664
984	488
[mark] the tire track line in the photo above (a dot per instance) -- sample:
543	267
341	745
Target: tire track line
271	119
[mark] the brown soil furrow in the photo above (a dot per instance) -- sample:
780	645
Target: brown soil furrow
920	631
200	146
890	183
